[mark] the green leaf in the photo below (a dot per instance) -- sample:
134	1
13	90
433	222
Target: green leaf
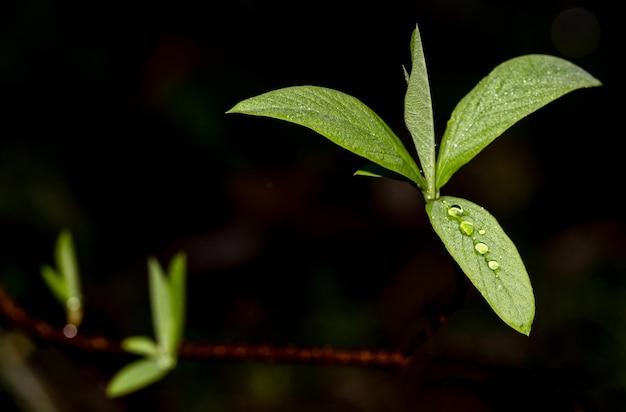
339	117
374	170
513	90
134	376
161	305
418	114
140	345
64	281
487	256
67	264
55	282
177	281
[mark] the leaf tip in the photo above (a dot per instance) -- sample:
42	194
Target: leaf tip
525	329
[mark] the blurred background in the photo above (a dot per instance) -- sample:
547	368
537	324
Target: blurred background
113	127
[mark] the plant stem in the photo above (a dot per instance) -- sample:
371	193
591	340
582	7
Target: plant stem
206	351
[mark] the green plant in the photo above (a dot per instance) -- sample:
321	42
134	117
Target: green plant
167	301
472	236
64	282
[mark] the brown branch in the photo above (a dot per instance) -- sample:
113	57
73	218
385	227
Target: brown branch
67	335
19	318
291	354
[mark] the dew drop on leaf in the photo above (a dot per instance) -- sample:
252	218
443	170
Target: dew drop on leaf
481	248
493	265
455	210
466	227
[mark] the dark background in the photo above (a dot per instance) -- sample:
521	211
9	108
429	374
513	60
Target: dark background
113	126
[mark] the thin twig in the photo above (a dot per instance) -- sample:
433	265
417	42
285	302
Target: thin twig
327	355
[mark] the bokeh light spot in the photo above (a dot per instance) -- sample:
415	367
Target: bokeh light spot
575	32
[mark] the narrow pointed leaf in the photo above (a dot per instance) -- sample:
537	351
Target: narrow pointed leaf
67	266
161	305
513	90
134	376
177	281
55	282
140	345
418	114
374	170
339	117
487	256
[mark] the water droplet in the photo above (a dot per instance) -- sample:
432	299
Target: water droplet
455	210
493	265
481	231
466	227
481	248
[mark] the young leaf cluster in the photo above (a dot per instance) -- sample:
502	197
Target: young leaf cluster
512	91
64	281
159	355
167	300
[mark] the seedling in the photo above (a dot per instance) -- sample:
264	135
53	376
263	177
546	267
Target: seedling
472	236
